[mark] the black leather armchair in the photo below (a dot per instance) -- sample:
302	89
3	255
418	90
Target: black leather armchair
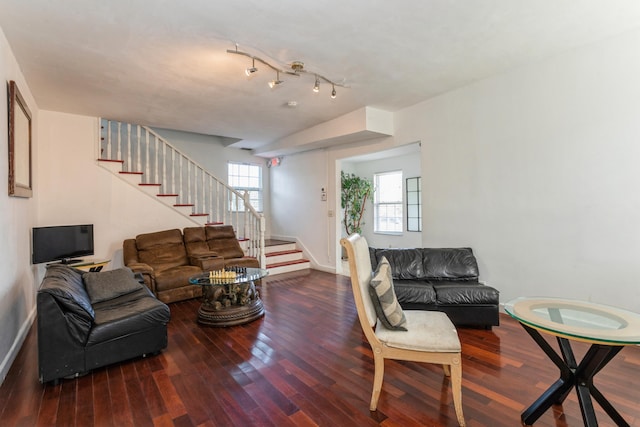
76	335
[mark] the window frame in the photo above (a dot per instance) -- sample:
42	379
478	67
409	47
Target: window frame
231	178
393	204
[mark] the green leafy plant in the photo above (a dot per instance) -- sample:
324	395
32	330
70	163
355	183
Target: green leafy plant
355	191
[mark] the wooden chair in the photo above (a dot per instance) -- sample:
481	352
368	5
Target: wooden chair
431	337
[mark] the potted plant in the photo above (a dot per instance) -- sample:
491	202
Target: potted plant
355	191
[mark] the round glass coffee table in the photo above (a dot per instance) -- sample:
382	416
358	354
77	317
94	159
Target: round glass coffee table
230	297
608	329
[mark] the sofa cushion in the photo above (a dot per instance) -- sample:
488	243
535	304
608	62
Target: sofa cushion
414	291
223	241
384	298
106	285
162	250
449	263
405	263
457	293
175	277
128	314
195	241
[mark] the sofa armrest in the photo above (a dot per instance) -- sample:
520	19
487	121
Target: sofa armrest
145	271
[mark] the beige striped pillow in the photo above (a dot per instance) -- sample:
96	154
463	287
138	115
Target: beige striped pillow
384	298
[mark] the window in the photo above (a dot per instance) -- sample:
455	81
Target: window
414	206
387	204
246	177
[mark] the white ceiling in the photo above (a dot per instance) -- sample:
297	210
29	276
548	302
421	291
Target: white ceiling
163	63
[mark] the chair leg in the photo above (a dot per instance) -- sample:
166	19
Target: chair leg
378	361
456	389
447	370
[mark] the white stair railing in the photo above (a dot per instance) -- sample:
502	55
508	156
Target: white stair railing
144	151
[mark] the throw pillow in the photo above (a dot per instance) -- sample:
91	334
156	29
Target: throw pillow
106	285
384	298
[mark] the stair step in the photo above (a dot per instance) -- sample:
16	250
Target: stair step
168	199
131	173
215	223
151	189
199	214
285	267
283	256
114	166
282	247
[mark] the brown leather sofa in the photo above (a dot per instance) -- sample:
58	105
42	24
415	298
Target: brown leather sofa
166	264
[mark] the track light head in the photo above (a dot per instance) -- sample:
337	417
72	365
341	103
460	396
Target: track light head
316	86
249	71
276	82
333	92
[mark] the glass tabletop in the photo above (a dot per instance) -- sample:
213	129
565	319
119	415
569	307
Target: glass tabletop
583	320
229	276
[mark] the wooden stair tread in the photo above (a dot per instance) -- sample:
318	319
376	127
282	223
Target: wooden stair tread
146	184
294	251
111	160
183	205
131	173
282	264
167	195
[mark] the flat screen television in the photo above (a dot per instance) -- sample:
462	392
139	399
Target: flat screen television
63	243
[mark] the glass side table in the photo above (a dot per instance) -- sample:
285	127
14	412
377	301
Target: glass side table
608	329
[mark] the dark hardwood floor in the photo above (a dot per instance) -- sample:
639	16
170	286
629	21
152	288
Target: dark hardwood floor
304	364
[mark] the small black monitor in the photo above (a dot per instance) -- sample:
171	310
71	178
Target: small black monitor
63	243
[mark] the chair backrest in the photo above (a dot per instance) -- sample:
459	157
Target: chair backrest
360	270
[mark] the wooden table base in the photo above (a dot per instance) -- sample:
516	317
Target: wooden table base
232	315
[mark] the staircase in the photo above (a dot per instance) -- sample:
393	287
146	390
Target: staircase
148	162
284	257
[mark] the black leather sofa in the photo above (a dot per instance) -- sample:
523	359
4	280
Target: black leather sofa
443	279
88	323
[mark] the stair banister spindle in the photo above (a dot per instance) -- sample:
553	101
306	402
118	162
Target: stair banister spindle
203	201
164	164
247	202
107	155
173	171
119	141
139	142
127	156
146	169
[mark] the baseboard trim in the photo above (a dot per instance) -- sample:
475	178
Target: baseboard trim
17	345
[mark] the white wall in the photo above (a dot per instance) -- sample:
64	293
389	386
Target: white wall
74	189
297	209
537	170
17	216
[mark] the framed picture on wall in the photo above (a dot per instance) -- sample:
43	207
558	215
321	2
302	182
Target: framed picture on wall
20	184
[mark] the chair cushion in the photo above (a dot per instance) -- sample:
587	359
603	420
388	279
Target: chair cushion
106	285
384	298
428	331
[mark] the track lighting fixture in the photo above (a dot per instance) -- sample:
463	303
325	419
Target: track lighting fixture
297	69
277	81
249	71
